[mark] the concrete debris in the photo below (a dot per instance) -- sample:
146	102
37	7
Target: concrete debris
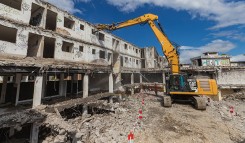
179	123
240	95
19	118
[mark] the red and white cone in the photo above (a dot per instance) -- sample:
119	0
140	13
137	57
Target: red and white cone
143	101
140	114
231	109
140	111
130	137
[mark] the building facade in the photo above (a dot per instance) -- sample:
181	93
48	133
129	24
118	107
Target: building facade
47	53
211	59
65	54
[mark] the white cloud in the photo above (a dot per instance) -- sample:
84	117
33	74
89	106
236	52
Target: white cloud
231	34
224	13
67	5
240	57
82	0
221	46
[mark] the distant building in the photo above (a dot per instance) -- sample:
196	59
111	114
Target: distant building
151	59
211	59
237	63
185	65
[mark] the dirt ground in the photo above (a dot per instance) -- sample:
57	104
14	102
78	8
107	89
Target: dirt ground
183	124
179	124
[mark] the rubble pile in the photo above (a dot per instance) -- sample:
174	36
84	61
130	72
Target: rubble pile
240	95
19	118
100	127
158	124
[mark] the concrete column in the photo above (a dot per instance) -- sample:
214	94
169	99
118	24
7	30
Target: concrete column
4	88
85	85
44	85
118	82
37	95
17	84
34	133
62	85
218	97
111	87
111	83
43	21
141	81
163	78
132	82
141	78
11	79
85	91
41	46
24	79
164	82
64	88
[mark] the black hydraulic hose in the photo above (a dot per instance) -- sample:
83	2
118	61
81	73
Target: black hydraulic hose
172	42
160	26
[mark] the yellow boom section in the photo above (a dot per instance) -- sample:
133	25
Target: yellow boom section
168	49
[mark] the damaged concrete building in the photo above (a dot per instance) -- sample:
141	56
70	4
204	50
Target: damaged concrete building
48	53
230	77
50	57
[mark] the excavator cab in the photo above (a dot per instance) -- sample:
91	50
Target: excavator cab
179	83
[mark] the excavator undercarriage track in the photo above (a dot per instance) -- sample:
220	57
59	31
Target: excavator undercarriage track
199	103
167	101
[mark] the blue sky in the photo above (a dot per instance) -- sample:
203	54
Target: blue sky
198	26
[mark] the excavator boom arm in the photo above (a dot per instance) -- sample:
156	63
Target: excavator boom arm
139	20
168	49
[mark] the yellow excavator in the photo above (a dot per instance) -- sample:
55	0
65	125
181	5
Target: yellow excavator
179	87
